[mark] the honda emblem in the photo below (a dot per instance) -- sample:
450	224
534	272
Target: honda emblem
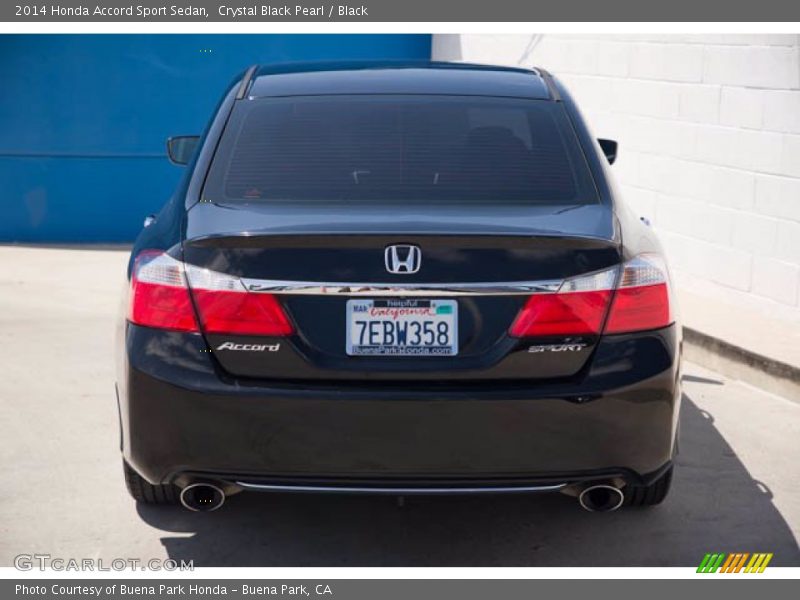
402	259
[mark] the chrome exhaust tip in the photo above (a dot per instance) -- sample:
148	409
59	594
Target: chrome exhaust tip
202	497
601	498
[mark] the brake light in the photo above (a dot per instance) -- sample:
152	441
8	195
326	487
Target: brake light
225	306
241	313
161	297
641	302
577	308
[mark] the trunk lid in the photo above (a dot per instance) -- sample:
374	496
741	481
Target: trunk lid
336	255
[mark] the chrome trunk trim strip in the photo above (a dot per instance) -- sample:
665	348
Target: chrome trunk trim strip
402	289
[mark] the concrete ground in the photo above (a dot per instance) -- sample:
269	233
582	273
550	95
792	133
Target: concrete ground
736	486
760	338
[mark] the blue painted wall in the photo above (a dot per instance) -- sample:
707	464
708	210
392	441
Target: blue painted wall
83	119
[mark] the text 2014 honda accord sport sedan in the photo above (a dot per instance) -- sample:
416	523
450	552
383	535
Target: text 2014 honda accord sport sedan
397	279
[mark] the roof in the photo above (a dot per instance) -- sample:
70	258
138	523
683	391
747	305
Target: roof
305	79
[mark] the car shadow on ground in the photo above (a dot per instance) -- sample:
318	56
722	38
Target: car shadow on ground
715	506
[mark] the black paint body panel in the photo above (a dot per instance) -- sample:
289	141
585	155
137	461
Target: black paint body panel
317	350
180	414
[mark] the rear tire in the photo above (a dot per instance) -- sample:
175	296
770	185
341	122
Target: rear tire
649	495
147	493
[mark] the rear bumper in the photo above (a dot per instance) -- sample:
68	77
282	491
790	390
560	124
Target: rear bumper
181	417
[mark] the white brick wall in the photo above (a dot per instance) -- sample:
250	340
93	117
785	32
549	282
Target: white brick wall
709	132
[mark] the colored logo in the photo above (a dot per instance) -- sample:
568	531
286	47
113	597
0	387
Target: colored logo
735	563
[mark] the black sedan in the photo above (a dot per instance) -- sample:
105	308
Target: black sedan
397	279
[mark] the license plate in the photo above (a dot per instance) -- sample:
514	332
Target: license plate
394	327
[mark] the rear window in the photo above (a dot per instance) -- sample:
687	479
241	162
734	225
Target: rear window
406	149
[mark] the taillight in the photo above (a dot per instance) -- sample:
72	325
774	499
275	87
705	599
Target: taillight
641	301
577	308
226	307
161	296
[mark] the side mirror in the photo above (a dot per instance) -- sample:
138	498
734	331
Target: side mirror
609	149
180	148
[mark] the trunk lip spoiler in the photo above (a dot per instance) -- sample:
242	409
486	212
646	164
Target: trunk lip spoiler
263	238
274	286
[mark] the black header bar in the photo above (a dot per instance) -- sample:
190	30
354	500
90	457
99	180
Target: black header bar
403	10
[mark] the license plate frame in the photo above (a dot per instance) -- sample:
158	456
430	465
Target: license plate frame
399	311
